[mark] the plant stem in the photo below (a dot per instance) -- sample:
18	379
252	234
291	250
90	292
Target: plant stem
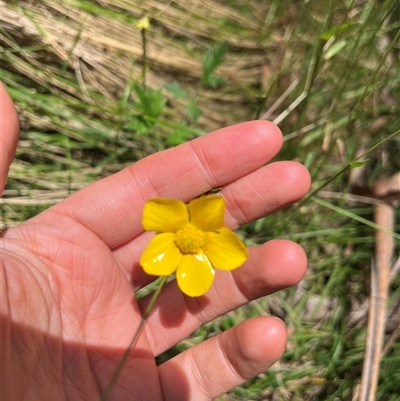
104	395
144	57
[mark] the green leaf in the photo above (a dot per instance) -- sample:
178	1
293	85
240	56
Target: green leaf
151	102
193	112
333	32
216	81
213	58
335	48
357	164
176	90
354	216
180	135
138	126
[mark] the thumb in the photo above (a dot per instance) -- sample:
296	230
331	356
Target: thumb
9	130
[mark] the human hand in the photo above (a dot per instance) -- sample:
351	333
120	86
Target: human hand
68	276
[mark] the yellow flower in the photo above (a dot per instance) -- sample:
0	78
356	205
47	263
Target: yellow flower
143	23
191	240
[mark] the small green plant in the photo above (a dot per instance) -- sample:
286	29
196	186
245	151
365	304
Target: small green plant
213	58
149	107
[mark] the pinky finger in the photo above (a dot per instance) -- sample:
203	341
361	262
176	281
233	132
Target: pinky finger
221	363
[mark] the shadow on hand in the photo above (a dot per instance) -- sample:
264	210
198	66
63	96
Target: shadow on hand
40	366
174	307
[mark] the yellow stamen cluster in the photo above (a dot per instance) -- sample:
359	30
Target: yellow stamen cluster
190	239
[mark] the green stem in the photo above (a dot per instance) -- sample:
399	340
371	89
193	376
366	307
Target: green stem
104	395
144	57
344	168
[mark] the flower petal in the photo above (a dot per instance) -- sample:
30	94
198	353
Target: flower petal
161	257
207	212
164	215
225	249
195	275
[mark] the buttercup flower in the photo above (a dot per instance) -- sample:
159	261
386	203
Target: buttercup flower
143	23
191	241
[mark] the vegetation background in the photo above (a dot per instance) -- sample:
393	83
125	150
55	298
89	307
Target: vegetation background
95	92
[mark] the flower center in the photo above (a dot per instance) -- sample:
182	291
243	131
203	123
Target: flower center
189	239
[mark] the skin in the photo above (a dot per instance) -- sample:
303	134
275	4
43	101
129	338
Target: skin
68	276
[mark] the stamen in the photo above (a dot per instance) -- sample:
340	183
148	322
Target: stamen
190	239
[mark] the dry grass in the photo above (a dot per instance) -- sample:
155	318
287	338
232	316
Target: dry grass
104	49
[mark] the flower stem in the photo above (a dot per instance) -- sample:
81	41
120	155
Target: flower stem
104	395
144	57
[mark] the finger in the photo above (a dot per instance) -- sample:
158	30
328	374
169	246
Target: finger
9	130
264	192
271	267
258	194
221	363
112	207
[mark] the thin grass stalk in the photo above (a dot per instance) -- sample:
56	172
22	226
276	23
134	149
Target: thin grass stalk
144	56
346	167
377	69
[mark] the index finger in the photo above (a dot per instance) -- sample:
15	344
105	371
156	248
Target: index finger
112	207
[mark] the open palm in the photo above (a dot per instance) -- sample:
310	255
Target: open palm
68	277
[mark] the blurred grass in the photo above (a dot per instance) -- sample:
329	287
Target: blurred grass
326	71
